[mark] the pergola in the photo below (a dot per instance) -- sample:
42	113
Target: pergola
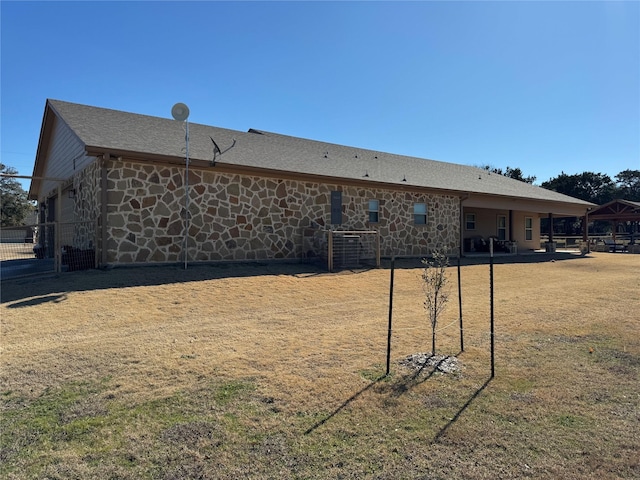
616	211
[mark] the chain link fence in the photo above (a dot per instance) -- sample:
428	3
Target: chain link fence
47	248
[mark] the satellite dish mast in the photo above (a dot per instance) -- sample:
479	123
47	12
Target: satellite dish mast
180	112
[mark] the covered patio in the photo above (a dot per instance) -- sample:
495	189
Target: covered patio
513	224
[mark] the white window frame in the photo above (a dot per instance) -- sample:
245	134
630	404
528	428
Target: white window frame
528	229
374	211
419	213
501	230
470	219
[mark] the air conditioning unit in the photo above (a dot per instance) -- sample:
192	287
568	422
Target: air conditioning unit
346	251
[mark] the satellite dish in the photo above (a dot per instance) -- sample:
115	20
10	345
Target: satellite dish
180	112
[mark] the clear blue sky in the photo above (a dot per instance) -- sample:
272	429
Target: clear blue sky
544	86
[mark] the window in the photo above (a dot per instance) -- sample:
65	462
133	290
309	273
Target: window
420	213
336	208
528	228
374	211
502	227
470	221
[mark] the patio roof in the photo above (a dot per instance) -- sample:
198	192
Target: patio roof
618	210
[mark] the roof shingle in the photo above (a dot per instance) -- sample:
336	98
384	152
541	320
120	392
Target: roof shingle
117	131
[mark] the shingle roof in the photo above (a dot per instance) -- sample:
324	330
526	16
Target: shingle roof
118	131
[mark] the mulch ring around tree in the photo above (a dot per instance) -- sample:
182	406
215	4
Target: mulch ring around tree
423	361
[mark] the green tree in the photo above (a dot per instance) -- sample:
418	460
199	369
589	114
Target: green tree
596	188
628	185
515	173
434	286
14	204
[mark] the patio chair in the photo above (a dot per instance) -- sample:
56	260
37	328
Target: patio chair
614	246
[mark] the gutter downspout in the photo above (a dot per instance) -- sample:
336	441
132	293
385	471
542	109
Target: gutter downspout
57	258
103	208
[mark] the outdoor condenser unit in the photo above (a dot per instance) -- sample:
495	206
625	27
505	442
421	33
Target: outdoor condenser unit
346	251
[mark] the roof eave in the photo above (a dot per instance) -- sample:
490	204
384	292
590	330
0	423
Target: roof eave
568	208
48	120
539	205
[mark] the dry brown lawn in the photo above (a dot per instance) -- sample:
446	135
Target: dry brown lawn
264	371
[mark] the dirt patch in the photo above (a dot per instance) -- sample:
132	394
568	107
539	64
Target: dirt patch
439	363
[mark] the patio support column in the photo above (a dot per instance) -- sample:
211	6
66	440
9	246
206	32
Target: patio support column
462	223
510	226
585	227
550	227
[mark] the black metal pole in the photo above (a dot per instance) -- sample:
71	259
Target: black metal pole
493	370
393	260
460	304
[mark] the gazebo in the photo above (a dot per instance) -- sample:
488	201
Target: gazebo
617	211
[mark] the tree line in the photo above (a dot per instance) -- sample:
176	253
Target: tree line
597	188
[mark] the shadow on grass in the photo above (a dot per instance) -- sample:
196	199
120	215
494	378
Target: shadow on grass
345	404
15	289
455	418
484	259
32	302
47	283
399	388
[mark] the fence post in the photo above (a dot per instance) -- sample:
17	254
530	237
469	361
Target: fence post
460	304
96	259
493	370
393	260
330	250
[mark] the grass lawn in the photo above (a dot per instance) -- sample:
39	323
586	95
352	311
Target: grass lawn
264	372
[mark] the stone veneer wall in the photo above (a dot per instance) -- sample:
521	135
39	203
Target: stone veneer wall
86	207
237	217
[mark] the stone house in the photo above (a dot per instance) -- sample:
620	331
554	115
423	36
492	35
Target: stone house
258	195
